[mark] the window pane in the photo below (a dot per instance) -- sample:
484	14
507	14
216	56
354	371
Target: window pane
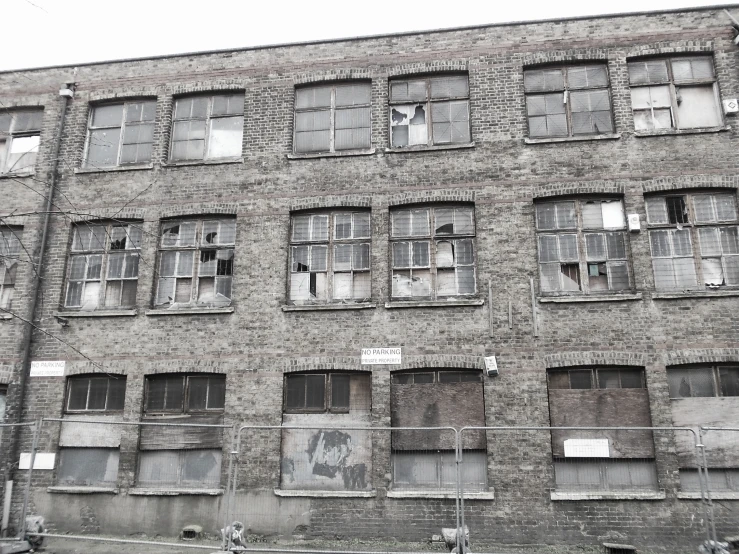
78	394
568	250
656	210
697	107
159	467
631	379
107	116
88	466
295	395
704	208
709	241
156	393
581	379
616	246
175	393
361	225
353	95
315	391
546	216
216	393
98	393
608	379
225	137
201	467
725	207
116	393
729	378
595	246
340	391
103	148
198	396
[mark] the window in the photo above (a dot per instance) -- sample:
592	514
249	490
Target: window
196	263
719	479
179	393
599	474
326	392
185	468
568	101
88	466
95	393
330	257
433	252
429	111
3	402
694	240
586	378
20	136
691	382
674	93
437	397
208	127
582	237
10	248
120	134
103	266
332	118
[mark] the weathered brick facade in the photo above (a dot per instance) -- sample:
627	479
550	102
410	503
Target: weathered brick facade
500	173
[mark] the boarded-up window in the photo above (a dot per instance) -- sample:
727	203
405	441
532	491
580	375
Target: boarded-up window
568	101
120	134
196	259
426	111
674	93
208	127
330	257
181	468
583	246
694	240
185	393
433	252
589	475
327	392
438	470
87	466
20	137
726	480
95	393
332	118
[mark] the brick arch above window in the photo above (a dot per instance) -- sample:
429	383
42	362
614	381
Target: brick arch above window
202	209
531	61
103	214
330	76
436	361
594	358
343	363
552	190
703	356
416	68
691	182
332	201
431	196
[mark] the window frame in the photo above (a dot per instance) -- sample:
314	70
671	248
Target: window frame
8	137
85	451
583	262
186	393
690	224
72	379
567	89
429	102
673	85
328	379
595	377
122	126
333	109
331	243
208	119
133	232
716	379
10	256
197	247
179	483
432	239
396	377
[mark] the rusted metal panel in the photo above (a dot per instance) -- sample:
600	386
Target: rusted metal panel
722	447
326	458
154	437
437	405
100	435
603	408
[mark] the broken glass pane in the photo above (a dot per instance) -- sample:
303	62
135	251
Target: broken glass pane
676	209
421	283
570	275
444	221
401	283
697	107
549	277
446	284
444	254
713	273
225	137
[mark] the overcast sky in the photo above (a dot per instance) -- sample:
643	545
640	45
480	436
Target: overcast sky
65	32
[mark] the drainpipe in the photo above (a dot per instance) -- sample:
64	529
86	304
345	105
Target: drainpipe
66	92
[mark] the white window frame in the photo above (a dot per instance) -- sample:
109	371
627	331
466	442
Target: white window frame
426	93
234	110
423	235
96	260
12	130
671	85
582	262
191	244
689	254
337	112
327	232
118	132
567	93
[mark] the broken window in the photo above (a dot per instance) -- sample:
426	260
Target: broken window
330	257
208	127
674	93
3	403
332	118
103	266
20	136
694	239
10	249
177	393
120	134
706	381
326	392
95	393
198	468
88	466
196	263
444	397
582	246
432	251
568	101
427	111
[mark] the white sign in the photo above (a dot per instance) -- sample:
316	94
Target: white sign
491	365
43	460
47	369
586	448
381	356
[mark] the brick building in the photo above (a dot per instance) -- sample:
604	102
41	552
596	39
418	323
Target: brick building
230	229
